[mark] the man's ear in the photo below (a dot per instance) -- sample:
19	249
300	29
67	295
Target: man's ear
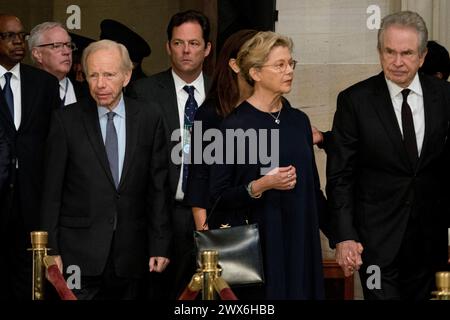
233	65
37	55
169	52
207	49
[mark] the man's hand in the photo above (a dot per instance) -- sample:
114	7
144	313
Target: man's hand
316	135
348	256
158	264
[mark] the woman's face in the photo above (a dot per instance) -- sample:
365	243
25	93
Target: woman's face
277	73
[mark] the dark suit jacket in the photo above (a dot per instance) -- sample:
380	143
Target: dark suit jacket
160	89
80	201
372	187
4	159
40	95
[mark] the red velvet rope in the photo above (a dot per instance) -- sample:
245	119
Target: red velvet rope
188	294
227	294
57	280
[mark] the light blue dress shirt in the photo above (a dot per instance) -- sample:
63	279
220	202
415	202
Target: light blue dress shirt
120	124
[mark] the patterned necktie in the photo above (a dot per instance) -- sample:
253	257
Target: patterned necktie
409	133
8	93
189	113
112	148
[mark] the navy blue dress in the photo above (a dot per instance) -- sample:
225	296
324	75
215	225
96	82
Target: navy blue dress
288	220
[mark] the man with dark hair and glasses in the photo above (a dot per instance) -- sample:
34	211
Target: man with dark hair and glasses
27	97
51	49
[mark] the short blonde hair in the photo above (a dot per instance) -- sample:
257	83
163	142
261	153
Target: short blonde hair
254	52
126	64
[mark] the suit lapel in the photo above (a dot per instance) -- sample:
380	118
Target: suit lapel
27	96
92	126
382	103
5	114
132	129
430	101
169	99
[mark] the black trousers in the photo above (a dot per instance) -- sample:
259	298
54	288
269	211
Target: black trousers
171	283
108	285
411	276
15	259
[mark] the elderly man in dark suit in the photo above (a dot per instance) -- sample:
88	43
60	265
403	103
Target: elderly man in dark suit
386	169
27	98
176	91
105	199
51	49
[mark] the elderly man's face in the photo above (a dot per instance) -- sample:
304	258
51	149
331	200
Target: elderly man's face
106	77
56	61
399	55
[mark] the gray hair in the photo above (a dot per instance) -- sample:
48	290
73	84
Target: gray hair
37	32
407	19
126	64
254	52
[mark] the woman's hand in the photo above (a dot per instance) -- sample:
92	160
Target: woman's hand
282	178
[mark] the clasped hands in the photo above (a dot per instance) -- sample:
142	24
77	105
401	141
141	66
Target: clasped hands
348	256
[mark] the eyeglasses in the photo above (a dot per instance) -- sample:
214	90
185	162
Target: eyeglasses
9	36
58	46
282	65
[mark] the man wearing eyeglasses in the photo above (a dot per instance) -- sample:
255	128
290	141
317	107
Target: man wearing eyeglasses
27	97
51	49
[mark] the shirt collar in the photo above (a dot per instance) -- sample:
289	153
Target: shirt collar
414	86
14	70
119	109
64	82
180	83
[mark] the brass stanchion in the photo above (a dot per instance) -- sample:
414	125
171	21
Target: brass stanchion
39	241
208	280
443	286
210	271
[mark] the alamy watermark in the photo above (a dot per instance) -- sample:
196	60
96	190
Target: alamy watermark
233	146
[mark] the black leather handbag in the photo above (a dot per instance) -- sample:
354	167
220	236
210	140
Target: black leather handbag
239	250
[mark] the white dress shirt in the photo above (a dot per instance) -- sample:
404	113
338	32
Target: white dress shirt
66	90
182	96
415	101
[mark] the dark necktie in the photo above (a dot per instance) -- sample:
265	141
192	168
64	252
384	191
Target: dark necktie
8	93
189	113
409	133
112	148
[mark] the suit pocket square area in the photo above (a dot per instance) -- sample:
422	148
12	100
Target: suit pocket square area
74	222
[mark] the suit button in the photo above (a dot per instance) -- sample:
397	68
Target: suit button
118	196
111	220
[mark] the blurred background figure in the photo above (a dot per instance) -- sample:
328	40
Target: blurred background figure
76	74
137	47
437	61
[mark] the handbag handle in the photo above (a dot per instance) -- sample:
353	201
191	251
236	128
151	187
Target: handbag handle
213	208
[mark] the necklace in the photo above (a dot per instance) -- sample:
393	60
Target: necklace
277	121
